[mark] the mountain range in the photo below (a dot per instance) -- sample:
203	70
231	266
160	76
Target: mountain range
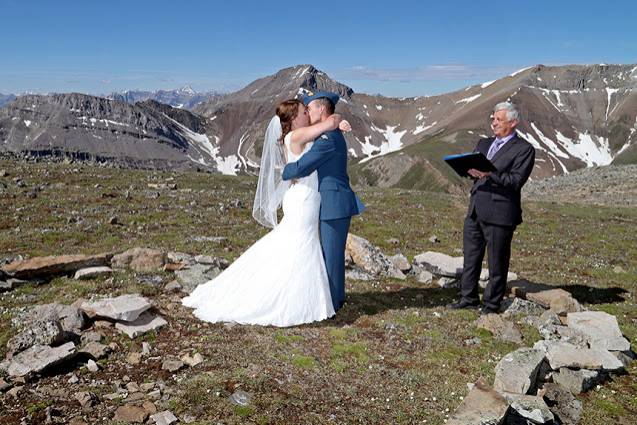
575	116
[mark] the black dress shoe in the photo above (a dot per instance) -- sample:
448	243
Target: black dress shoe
487	310
462	304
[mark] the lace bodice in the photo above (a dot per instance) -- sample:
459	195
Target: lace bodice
311	180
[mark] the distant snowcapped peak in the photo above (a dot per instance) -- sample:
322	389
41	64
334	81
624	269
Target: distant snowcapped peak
187	89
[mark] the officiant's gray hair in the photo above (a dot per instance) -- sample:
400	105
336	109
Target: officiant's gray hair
512	111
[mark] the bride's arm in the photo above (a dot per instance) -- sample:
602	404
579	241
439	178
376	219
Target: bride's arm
302	136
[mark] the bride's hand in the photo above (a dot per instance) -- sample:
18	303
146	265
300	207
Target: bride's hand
344	125
334	120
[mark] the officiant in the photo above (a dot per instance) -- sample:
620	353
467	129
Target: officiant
494	209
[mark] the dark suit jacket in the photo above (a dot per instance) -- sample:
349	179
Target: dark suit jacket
328	156
496	199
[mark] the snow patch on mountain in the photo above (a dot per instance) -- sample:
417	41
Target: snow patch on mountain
469	99
587	149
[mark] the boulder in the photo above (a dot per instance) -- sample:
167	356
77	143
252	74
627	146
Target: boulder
42	332
95	349
69	315
370	258
36	359
195	275
576	381
562	354
172	365
146	322
558	298
164	418
54	265
425	276
517	371
142	260
562	403
440	264
515	306
482	406
601	330
528	409
125	307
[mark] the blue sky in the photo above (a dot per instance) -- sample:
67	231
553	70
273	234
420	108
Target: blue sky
395	48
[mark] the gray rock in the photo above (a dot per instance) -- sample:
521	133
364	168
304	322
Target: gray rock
92	366
562	354
562	403
195	275
69	316
146	322
425	277
93	272
400	261
482	406
565	334
125	307
42	332
517	371
440	264
129	413
600	328
95	350
180	257
172	365
91	336
143	260
370	258
36	359
241	398
51	266
172	286
626	357
357	274
86	399
576	381
194	360
528	409
164	418
517	306
447	282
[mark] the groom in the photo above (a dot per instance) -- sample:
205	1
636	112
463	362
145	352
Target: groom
328	156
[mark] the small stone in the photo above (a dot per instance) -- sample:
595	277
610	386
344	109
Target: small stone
400	261
392	241
447	282
73	379
77	421
434	239
93	272
172	365
143	260
544	298
192	361
113	220
132	387
147	386
134	358
164	418
500	328
92	366
529	409
91	336
4	385
155	395
240	398
172	286
96	350
481	406
425	277
13	392
150	407
144	323
145	349
188	418
130	414
86	399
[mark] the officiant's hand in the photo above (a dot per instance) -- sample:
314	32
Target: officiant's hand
477	174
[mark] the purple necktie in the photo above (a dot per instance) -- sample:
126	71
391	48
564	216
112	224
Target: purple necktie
494	148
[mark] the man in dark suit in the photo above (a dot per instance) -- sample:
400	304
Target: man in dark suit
494	210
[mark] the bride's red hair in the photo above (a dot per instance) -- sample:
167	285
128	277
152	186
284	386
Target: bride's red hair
287	111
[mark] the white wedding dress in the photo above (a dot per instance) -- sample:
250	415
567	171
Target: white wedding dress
281	280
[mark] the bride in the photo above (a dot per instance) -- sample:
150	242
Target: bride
281	280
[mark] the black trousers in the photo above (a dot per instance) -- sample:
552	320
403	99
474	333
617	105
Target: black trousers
477	236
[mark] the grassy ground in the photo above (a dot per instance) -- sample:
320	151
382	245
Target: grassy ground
394	353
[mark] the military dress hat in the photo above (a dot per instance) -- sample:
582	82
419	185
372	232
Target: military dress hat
310	96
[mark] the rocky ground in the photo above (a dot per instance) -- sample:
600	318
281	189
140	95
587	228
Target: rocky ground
610	185
394	354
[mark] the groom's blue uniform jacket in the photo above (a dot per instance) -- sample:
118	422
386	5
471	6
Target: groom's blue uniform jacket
328	156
